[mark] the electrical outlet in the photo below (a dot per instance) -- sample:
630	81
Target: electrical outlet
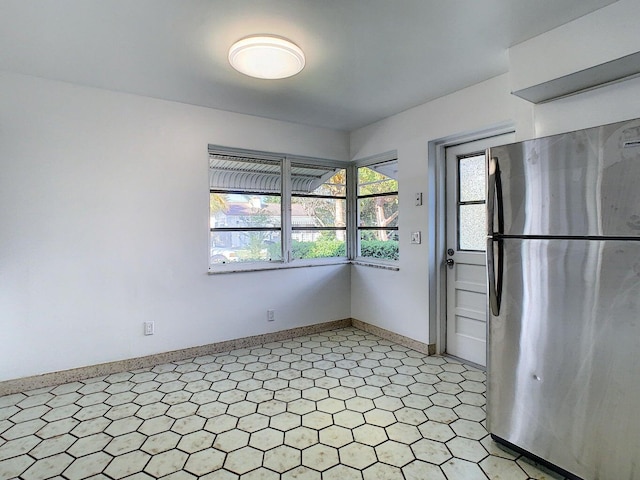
271	315
149	328
416	237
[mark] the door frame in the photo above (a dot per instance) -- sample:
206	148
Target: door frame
436	178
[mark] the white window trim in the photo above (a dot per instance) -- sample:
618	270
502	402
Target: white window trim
355	237
286	227
286	230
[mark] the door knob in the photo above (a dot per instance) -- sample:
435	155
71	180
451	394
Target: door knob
450	262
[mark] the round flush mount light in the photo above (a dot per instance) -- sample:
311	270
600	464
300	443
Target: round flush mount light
266	56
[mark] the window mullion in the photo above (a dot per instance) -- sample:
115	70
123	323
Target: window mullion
352	212
286	210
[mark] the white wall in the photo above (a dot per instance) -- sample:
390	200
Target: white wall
602	36
595	39
104	212
104	224
398	300
613	103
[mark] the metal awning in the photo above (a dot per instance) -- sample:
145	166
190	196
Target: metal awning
263	175
388	169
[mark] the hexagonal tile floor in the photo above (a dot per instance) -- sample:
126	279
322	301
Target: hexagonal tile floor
341	405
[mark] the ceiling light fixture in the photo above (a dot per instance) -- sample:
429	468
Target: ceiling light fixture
266	56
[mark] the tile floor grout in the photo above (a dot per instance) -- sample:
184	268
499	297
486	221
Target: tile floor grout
343	404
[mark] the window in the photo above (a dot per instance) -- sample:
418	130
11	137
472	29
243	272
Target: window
318	212
377	200
245	209
471	203
271	209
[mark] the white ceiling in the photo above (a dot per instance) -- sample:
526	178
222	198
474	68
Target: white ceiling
366	59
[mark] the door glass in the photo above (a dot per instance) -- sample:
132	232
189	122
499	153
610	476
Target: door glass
472	220
471	171
471	203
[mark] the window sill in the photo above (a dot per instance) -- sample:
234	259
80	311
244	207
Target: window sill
259	267
365	262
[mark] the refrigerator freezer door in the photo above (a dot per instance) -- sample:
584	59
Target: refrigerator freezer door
564	355
577	184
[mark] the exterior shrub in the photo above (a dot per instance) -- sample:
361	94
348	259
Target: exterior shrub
387	250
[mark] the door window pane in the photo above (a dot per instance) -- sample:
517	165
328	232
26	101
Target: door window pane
472	178
472	220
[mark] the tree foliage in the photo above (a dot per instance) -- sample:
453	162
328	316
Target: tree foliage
379	211
327	212
217	203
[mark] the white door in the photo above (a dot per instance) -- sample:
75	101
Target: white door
466	319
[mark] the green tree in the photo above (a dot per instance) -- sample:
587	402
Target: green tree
217	203
260	216
377	211
327	212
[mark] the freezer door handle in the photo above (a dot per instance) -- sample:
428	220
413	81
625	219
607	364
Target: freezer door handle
494	195
495	279
491	191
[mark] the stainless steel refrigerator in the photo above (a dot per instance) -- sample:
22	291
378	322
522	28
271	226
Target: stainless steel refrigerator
563	261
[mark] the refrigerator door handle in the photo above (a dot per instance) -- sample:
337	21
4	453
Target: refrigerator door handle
494	196
495	281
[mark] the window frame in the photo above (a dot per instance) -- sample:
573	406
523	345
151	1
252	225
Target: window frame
335	228
358	259
286	227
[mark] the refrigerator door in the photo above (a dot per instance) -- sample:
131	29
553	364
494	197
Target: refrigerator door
564	356
577	184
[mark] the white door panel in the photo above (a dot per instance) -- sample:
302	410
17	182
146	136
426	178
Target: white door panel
466	319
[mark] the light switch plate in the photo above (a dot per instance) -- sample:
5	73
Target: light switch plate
416	237
418	200
149	328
